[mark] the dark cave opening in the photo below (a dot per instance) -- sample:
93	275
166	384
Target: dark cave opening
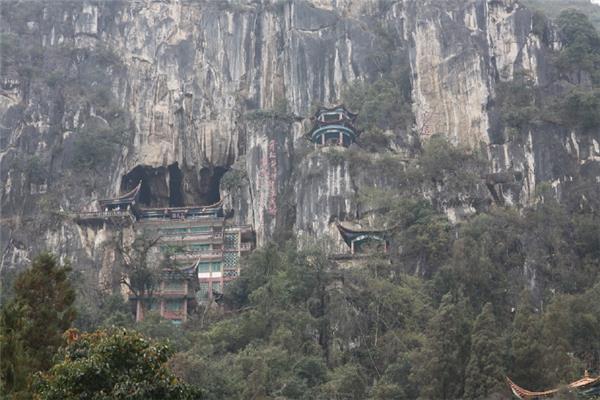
154	191
175	186
172	187
132	179
213	194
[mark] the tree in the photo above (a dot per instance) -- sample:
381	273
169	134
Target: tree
484	371
117	364
137	271
441	363
34	321
527	352
13	358
581	50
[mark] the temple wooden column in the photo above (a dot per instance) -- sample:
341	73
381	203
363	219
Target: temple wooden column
139	311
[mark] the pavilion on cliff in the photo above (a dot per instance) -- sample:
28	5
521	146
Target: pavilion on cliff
362	241
333	127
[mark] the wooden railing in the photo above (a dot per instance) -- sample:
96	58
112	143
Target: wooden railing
191	237
103	214
173	292
199	254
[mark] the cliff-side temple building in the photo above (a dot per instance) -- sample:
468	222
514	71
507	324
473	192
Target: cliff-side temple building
120	210
174	297
333	127
199	236
586	387
364	241
202	250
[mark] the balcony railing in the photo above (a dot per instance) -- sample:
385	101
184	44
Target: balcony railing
172	293
103	214
189	237
199	254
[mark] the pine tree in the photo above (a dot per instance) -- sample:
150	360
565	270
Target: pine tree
34	321
13	358
484	371
441	364
527	352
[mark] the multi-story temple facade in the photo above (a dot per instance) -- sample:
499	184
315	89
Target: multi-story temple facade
201	247
199	236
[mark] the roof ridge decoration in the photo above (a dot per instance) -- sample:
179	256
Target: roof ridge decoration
334	108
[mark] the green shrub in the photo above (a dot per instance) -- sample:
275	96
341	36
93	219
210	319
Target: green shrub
540	25
383	104
517	102
581	49
279	111
373	139
93	146
234	179
581	109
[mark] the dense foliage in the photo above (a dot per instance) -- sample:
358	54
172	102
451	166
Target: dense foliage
552	8
32	323
117	364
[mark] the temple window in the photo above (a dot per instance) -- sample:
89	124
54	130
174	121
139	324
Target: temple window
199	247
202	291
203	267
173	305
216	287
174	286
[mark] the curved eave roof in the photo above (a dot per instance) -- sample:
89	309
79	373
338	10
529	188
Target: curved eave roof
521	393
342	106
350	234
128	197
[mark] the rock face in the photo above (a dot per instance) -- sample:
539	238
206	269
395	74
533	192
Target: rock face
192	78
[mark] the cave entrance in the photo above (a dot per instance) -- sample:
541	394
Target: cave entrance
213	195
172	187
202	187
161	186
175	186
150	193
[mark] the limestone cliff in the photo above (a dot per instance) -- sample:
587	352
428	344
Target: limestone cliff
185	90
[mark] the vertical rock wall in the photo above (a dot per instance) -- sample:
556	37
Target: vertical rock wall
188	73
